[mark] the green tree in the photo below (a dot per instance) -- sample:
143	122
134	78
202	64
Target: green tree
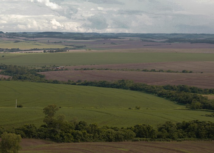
10	143
50	110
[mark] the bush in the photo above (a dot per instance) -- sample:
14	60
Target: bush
20	106
10	143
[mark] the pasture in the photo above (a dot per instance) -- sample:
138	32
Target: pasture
98	58
103	106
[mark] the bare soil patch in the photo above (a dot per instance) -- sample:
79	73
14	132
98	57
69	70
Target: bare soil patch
209	96
204	66
118	147
4	76
205	80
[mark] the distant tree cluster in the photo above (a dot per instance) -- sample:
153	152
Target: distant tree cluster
56	50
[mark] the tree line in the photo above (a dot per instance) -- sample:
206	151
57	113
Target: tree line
143	70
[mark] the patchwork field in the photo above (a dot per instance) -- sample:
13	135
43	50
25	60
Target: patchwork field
25	45
125	43
103	106
41	146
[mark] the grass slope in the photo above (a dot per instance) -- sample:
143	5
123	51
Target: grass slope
27	45
104	106
100	58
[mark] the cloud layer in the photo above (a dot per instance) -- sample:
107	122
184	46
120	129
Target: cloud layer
136	16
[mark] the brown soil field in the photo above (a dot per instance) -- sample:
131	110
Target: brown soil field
37	146
204	80
205	66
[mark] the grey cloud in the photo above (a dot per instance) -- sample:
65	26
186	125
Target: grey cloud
67	11
130	12
105	1
107	15
97	22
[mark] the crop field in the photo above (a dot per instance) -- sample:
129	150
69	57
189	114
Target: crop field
205	80
93	58
25	45
41	146
103	106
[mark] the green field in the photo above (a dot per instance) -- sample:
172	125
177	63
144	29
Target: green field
99	58
104	106
25	45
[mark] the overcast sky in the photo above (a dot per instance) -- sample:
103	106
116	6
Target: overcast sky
134	16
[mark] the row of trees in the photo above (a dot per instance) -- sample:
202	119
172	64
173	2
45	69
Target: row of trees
56	128
144	70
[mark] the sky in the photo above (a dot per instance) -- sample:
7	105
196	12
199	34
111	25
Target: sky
108	16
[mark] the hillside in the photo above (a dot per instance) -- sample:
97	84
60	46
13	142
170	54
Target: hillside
94	105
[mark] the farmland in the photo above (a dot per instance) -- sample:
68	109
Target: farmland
94	58
41	146
105	59
27	45
95	105
205	80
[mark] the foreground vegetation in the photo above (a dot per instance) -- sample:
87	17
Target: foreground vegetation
56	128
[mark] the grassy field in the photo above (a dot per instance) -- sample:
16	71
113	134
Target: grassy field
92	58
95	105
25	45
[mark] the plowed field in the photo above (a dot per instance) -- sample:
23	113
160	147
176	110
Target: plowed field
205	80
40	146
